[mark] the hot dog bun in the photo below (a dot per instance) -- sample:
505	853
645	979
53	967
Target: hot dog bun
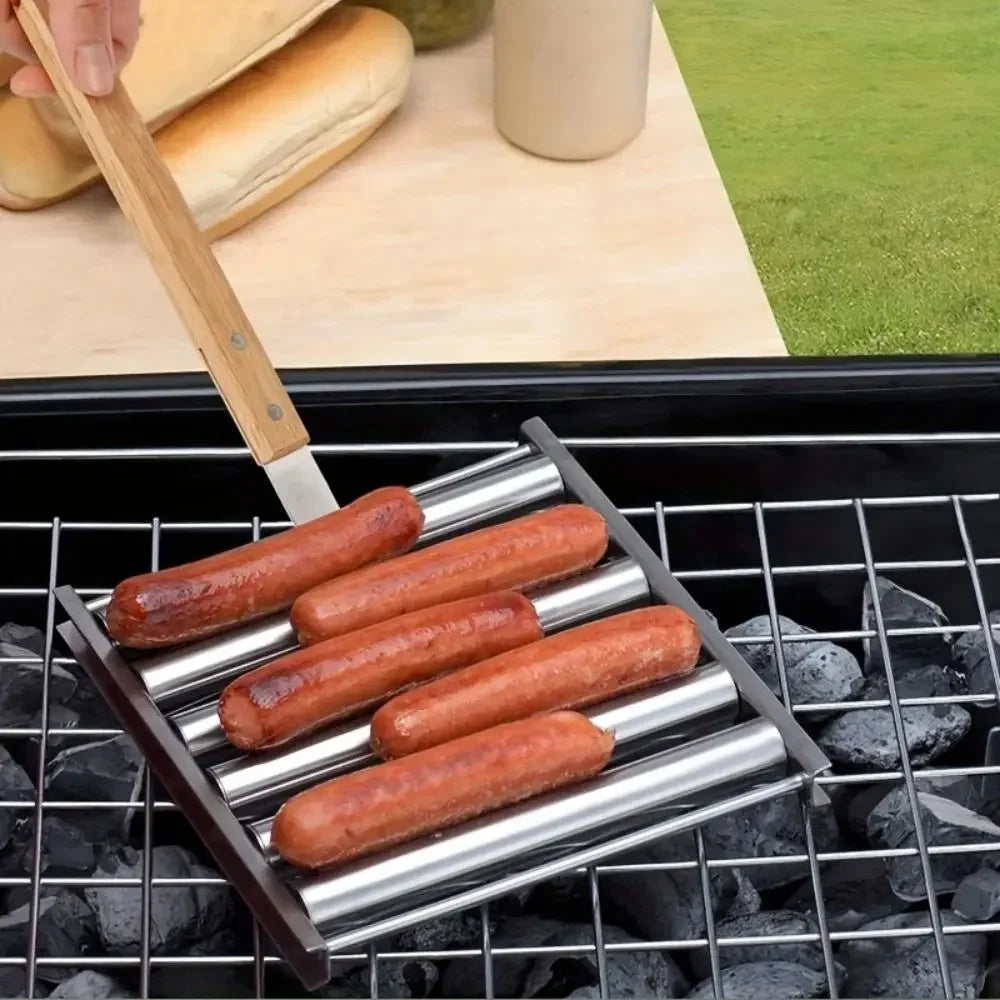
288	120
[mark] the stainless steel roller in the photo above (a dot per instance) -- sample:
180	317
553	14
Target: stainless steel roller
516	835
615	585
671	712
478	495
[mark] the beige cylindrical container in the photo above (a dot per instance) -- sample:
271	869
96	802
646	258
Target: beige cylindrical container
571	77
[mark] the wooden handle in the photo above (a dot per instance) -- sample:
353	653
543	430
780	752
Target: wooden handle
149	197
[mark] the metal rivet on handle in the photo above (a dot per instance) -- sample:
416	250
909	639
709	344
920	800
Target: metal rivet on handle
238	341
274	411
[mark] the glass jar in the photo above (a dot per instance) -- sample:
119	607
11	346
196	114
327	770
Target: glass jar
437	23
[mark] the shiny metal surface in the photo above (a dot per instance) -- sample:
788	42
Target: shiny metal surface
199	728
179	677
251	782
503	460
301	486
672	777
489	496
614	585
670	712
260	834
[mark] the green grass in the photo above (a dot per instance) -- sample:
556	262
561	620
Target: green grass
859	142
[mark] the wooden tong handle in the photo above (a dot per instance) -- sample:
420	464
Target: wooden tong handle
149	197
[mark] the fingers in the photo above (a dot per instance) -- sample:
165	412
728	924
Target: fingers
12	38
94	38
82	33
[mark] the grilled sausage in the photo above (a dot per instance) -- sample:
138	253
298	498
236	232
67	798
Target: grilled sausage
516	555
388	804
211	595
339	677
580	667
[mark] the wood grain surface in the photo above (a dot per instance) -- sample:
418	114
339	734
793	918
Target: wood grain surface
437	242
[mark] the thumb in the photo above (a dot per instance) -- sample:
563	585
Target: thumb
82	33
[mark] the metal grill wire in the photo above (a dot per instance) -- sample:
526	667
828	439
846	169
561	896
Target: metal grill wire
766	572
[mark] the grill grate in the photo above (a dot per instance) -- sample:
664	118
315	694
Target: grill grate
843	549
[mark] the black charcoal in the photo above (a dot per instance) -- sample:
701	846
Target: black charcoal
972	658
766	981
773	829
90	985
903	609
665	904
977	897
181	982
89	704
747	899
855	892
12	983
396	979
66	849
15	786
817	671
26	636
908	966
459	930
945	823
769	923
957	787
66	929
464	977
60	717
21	685
104	771
640	974
866	737
180	914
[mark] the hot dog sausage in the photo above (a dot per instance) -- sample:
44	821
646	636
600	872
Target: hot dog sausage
208	596
388	804
336	678
579	667
516	555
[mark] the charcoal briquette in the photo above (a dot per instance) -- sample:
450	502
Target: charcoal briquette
464	977
66	849
765	981
90	985
60	717
747	899
855	891
15	786
457	930
767	923
21	685
972	658
908	966
957	787
13	983
103	771
180	914
903	609
977	897
945	823
66	928
817	671
772	829
180	982
631	974
866	737
409	979
26	637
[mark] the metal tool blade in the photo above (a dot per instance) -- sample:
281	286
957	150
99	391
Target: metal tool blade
301	486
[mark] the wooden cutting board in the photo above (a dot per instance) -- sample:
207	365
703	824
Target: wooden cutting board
436	243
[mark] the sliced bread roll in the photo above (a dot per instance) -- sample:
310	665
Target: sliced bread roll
187	50
262	137
285	122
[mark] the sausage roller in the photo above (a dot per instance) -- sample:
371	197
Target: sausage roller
515	481
685	750
672	712
614	586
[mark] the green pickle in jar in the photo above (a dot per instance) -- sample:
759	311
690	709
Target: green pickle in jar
437	23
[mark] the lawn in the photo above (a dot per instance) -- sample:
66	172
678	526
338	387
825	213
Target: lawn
860	146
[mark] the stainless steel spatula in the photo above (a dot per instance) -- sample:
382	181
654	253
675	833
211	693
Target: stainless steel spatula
144	188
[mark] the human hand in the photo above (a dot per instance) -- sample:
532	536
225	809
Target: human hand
94	39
